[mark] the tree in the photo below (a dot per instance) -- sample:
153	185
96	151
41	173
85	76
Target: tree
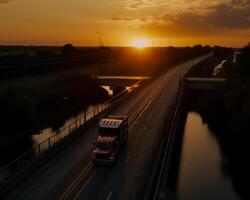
68	49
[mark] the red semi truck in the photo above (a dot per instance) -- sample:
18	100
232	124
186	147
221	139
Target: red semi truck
113	135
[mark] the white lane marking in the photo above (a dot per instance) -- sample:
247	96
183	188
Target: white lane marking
109	196
127	159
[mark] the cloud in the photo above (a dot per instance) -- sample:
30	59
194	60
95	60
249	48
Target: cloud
123	18
240	3
233	15
4	1
160	19
136	4
181	5
185	17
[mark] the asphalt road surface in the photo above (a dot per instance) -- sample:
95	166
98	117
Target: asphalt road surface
72	175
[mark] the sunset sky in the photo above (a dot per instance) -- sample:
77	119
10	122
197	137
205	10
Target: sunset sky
119	22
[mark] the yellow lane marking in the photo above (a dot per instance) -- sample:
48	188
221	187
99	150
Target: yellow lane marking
82	188
84	172
141	107
74	184
146	103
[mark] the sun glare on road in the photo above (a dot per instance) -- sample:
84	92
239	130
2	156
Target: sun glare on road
140	43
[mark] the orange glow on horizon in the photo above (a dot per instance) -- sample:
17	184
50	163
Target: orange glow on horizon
140	43
131	23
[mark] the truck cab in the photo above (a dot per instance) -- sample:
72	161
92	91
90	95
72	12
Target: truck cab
113	135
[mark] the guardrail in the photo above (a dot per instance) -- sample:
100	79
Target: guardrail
50	142
163	174
17	166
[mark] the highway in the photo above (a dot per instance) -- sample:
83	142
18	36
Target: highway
71	174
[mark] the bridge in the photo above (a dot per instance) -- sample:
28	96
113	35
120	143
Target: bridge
70	174
196	83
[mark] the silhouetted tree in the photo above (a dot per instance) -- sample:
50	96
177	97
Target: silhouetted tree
244	61
68	49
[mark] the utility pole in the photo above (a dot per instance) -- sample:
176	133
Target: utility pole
100	40
26	65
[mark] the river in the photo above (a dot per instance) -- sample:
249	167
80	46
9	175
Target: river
200	173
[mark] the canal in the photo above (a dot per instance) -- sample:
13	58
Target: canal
200	166
200	172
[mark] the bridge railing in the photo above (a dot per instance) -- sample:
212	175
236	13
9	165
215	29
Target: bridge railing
9	171
160	183
25	159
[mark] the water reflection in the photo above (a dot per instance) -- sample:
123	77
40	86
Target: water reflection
200	173
48	132
107	88
235	56
219	67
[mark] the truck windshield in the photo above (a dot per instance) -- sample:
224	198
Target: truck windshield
108	131
104	146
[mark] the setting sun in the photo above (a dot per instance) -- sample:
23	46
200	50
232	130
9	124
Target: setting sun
140	43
